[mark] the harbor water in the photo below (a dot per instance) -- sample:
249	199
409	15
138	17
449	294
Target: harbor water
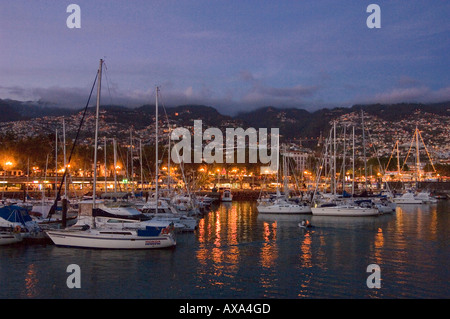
237	253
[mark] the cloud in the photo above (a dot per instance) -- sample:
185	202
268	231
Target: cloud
262	94
253	94
420	94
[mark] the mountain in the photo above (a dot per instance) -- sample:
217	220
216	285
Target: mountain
185	114
396	112
292	122
11	110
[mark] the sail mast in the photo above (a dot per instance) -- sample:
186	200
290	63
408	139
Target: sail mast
343	162
156	149
65	162
353	163
96	136
131	161
417	155
56	164
398	161
142	172
115	165
364	150
334	159
106	180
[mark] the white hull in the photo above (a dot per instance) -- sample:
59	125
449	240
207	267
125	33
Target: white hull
407	201
109	239
283	209
346	211
384	209
407	198
8	238
189	223
425	198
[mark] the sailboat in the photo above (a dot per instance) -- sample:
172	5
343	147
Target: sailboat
47	213
107	236
281	204
8	237
349	209
15	221
422	197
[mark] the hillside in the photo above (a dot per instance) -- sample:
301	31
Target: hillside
293	123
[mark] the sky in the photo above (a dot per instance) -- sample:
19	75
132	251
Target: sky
232	55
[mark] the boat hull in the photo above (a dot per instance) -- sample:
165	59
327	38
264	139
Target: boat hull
344	211
10	238
283	209
407	201
109	240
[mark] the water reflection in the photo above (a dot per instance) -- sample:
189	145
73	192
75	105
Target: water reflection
305	248
31	282
236	253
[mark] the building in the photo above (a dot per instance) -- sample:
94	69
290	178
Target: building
300	157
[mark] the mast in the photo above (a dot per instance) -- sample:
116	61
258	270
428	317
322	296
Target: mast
364	150
353	169
398	161
115	165
334	159
43	184
28	180
343	162
168	164
106	188
156	149
140	160
56	163
417	155
131	161
65	162
96	137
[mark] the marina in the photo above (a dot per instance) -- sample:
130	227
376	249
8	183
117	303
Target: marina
237	253
224	151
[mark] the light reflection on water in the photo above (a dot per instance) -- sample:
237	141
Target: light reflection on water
237	253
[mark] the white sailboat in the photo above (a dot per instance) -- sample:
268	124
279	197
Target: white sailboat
281	204
344	209
16	220
109	236
167	213
9	237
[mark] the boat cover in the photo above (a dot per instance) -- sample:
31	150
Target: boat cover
149	231
15	214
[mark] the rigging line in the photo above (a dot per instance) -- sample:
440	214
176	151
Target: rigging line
407	155
429	156
53	208
392	154
178	157
107	82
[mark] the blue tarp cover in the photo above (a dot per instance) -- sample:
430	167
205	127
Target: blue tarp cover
15	214
149	231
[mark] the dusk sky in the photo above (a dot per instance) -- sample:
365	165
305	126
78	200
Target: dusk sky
233	55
